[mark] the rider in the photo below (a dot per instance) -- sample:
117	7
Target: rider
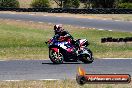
61	34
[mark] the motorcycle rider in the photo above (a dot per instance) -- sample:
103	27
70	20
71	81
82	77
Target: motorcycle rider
61	34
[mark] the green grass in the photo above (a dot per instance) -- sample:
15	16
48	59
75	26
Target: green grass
17	42
102	50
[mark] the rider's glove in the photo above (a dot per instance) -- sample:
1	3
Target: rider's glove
46	42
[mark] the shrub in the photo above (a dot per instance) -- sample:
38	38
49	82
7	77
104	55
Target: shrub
71	3
9	3
40	3
67	4
125	5
103	3
75	3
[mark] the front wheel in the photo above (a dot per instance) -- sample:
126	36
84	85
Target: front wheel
56	57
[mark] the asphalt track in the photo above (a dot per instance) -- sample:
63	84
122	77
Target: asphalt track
82	22
44	69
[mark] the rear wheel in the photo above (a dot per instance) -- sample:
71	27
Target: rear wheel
56	57
87	58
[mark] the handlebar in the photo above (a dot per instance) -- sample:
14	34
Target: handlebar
49	41
46	42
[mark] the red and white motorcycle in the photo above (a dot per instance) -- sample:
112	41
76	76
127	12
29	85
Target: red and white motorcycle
60	51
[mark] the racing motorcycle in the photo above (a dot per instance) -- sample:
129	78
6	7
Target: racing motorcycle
63	50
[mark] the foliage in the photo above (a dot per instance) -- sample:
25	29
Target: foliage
71	3
103	3
9	3
125	5
40	3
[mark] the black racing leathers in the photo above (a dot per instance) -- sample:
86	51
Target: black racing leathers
64	34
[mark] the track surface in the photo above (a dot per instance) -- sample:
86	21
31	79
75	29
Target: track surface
44	69
83	22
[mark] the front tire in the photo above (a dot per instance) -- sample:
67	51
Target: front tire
56	57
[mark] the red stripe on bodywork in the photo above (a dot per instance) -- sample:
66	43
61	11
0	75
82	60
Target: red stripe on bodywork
55	49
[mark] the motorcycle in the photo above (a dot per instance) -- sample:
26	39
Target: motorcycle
63	50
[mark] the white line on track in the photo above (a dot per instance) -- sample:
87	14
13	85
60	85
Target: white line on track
12	80
40	22
3	60
83	27
31	80
90	18
117	20
13	13
100	29
31	21
109	30
18	20
104	19
49	23
48	79
116	58
45	15
32	14
58	16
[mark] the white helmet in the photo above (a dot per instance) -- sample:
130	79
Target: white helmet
58	28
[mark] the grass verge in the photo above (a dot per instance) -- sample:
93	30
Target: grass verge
58	84
25	40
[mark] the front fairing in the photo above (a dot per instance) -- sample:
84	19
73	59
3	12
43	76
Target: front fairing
61	44
64	45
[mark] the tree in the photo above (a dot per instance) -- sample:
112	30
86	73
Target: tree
124	1
75	3
124	4
103	3
67	4
40	3
9	3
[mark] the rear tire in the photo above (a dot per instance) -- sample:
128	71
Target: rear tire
56	57
87	58
86	61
